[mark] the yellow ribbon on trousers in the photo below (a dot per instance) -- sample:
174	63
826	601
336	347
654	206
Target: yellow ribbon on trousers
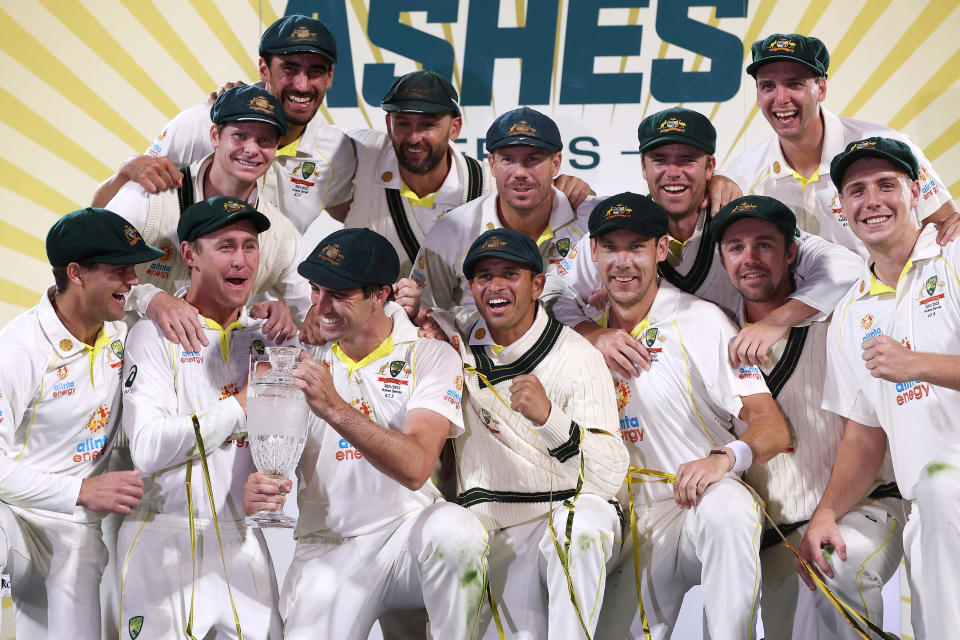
216	526
859	623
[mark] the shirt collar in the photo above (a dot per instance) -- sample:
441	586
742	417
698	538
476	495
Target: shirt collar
924	248
199	171
561	214
403	331
64	343
832	145
480	335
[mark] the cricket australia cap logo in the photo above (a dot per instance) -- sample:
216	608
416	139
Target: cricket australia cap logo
232	206
672	125
302	34
783	44
494	243
331	253
618	211
865	144
132	235
418	93
744	207
522	128
261	104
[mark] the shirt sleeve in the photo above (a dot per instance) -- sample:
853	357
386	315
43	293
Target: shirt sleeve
585	421
132	204
842	394
438	382
344	163
292	288
576	284
438	278
22	485
159	437
933	191
825	271
186	138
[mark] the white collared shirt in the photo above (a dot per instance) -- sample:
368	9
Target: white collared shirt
923	314
342	494
59	406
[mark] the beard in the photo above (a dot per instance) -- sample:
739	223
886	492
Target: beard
420	167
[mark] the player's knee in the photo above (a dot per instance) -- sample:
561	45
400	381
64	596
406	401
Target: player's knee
452	534
727	505
939	485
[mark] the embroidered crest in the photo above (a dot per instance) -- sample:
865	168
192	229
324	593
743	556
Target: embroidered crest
563	246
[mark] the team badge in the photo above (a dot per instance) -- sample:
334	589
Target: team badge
307	169
650	336
455	341
673	125
258	346
522	128
232	206
783	44
618	211
387	176
931	285
931	294
495	242
134	626
485	415
331	253
132	236
489	226
65	345
301	33
117	347
563	246
131	377
864	144
479	333
261	104
396	367
744	207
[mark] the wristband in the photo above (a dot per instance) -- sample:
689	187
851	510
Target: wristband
743	455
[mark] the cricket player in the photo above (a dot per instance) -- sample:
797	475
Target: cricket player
678	419
756	235
793	165
373	532
315	162
539	462
892	376
677	147
525	154
246	124
59	411
184	417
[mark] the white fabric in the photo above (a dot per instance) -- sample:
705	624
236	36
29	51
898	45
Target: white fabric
58	411
158	577
714	544
873	534
918	417
502	454
433	558
318	176
156	217
439	265
763	170
378	170
336	482
824	271
528	582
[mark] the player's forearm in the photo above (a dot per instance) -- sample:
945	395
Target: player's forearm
397	455
767	433
855	469
791	313
825	271
21	485
605	461
946	210
942	370
107	189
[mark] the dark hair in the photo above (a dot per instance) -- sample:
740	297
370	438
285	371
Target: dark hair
62	281
370	290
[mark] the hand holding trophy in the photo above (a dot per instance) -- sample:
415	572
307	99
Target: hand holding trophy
276	422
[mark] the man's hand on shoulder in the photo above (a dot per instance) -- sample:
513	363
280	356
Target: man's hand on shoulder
574	188
407	294
114	491
178	320
219	92
622	352
720	191
752	345
153	173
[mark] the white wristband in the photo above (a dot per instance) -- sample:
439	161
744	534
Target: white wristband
742	455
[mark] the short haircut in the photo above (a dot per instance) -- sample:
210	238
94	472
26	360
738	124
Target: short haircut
62	281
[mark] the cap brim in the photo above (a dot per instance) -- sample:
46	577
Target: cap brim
756	64
420	106
514	141
326	277
287	51
675	139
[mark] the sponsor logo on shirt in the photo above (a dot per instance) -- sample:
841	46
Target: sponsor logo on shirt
749	373
346	451
393	376
230	389
131	377
928	186
453	398
837	208
62	389
623	395
488	420
155	147
300	177
362	406
98	419
931	295
187	357
914	390
630	430
160	268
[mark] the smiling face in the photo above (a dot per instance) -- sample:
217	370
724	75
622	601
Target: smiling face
345	314
524	175
104	289
223	267
628	266
789	95
421	140
757	258
506	293
677	176
878	200
300	81
243	150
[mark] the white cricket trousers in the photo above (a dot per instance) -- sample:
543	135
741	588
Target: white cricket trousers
528	580
433	558
715	544
55	567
